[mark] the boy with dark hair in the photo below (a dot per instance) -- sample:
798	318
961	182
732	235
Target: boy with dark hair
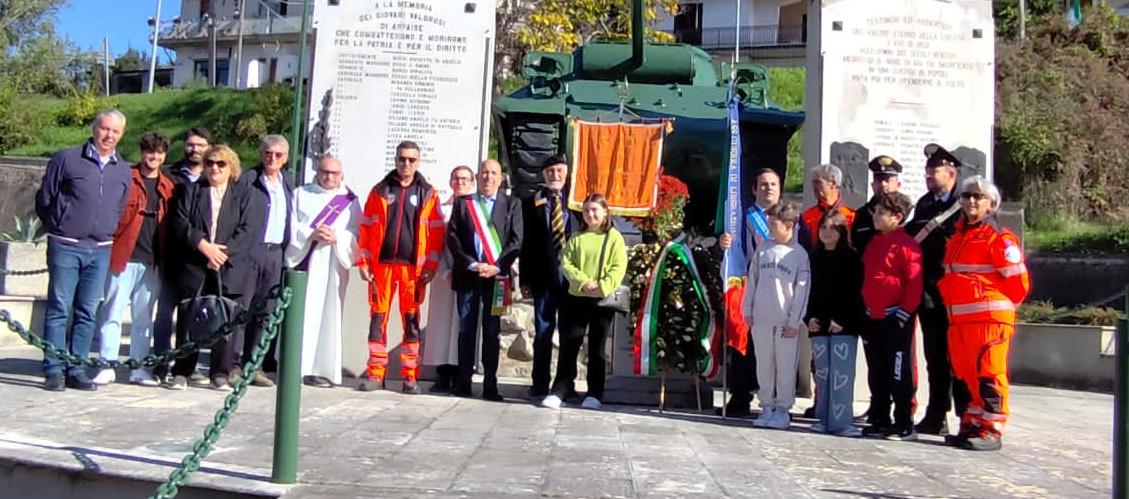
773	306
891	291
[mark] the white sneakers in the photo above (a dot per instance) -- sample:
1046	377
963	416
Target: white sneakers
552	402
105	377
143	378
773	417
555	402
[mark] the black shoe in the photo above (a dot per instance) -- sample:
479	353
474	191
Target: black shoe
462	389
905	434
536	394
54	383
809	413
983	441
877	431
81	381
370	384
492	395
439	387
933	426
735	409
410	388
959	438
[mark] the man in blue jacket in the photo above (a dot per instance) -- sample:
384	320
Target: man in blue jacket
80	201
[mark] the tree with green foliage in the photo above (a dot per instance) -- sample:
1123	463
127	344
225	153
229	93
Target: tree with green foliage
1006	13
1062	115
562	25
131	60
25	20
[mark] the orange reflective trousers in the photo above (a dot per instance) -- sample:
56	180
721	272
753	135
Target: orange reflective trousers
404	281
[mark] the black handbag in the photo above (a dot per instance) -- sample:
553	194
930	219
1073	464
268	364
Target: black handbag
620	297
206	314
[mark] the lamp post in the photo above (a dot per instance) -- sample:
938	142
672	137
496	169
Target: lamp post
211	25
239	45
155	22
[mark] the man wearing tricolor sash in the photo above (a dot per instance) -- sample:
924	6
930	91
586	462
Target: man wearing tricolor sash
401	240
323	243
484	237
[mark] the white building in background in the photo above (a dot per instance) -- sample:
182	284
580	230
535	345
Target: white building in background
270	41
772	32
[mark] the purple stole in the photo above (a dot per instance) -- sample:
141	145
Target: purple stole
328	215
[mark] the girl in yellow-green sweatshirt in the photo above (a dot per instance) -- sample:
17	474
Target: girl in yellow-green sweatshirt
594	263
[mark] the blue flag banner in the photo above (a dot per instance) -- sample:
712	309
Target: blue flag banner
733	263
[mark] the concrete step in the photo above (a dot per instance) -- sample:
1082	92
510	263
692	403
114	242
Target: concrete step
28	311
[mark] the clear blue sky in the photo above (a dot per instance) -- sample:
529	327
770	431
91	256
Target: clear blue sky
86	22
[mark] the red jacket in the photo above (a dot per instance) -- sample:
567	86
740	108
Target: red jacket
129	225
813	215
985	274
892	281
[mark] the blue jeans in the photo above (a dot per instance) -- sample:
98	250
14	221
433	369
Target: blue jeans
546	306
470	304
136	286
834	359
77	276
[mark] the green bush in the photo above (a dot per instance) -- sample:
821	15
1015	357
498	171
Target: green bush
1044	312
20	124
786	90
1078	239
1062	115
79	111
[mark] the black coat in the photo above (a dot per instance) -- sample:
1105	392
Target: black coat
862	229
460	238
836	290
540	262
933	247
236	228
254	180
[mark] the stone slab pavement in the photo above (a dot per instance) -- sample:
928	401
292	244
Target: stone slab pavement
385	444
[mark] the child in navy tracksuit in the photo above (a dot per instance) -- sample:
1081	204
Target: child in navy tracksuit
833	319
891	292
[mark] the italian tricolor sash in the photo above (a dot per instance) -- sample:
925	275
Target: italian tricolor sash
484	229
491	250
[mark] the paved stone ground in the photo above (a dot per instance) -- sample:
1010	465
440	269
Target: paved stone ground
389	445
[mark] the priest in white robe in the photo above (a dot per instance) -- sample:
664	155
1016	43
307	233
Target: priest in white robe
323	242
441	334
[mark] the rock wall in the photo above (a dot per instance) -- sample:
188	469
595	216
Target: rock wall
19	179
1070	281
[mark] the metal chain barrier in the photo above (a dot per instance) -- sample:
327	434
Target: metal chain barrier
17	273
202	447
68	359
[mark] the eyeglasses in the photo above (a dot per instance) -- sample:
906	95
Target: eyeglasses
405	159
976	196
275	154
323	172
463	179
218	164
194	145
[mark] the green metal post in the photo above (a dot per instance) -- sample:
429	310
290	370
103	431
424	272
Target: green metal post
1121	409
289	391
297	152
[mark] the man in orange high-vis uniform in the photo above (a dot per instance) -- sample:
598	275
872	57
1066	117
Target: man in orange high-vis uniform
400	240
985	281
825	182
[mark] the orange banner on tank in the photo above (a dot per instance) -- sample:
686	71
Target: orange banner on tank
620	161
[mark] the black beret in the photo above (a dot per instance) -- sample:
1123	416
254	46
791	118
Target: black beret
556	159
885	165
936	155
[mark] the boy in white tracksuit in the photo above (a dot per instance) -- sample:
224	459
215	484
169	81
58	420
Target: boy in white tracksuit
774	304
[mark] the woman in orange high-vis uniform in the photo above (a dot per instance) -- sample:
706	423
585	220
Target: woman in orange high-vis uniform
985	281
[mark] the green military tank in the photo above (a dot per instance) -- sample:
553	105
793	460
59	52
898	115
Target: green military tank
633	81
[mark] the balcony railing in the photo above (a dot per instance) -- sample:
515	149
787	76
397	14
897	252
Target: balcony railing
767	36
230	27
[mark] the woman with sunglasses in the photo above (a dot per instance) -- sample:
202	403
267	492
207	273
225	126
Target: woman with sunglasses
219	224
985	281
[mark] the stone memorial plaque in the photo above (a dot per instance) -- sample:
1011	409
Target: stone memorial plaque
890	77
391	70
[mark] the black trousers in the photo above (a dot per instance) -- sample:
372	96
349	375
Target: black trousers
268	274
743	373
580	314
891	371
470	303
225	354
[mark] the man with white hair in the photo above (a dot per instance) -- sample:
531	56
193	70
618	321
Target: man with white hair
79	202
825	182
323	243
